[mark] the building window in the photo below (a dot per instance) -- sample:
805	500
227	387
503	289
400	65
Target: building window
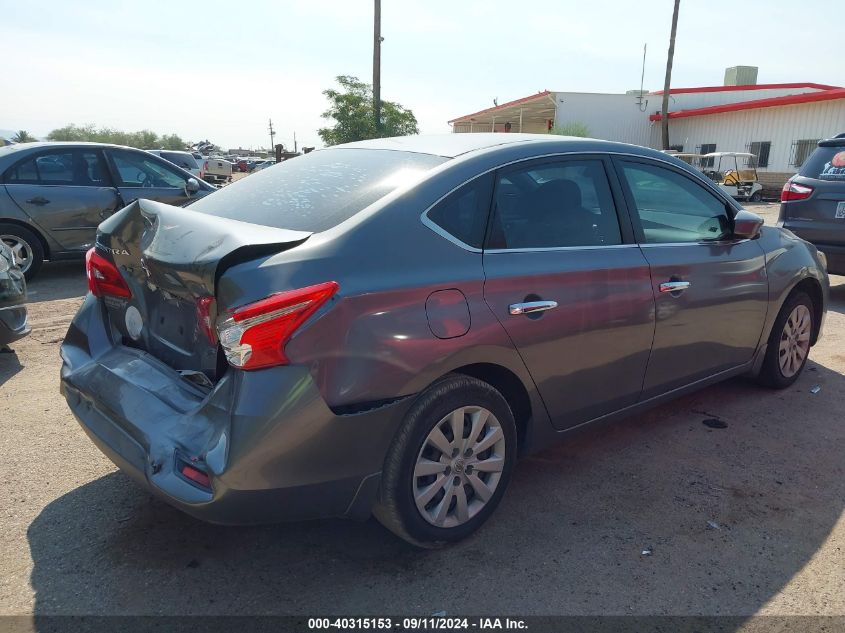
707	148
761	150
802	149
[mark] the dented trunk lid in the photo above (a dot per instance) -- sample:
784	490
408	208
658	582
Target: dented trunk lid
171	258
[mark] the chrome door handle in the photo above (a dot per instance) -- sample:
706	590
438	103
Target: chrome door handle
674	286
531	306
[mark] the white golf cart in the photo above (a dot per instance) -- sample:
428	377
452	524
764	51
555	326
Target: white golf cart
724	170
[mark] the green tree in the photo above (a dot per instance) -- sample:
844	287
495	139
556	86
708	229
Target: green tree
573	128
23	136
351	108
144	139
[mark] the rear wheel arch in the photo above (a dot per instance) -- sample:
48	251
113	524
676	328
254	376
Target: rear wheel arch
32	229
511	387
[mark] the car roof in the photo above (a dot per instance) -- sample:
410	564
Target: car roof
454	145
20	147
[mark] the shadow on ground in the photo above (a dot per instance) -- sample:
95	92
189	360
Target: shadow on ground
58	280
727	515
10	365
837	294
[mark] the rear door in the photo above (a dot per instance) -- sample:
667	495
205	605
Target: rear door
142	175
67	192
710	289
570	287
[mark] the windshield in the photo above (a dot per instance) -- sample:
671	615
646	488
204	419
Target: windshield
825	163
319	190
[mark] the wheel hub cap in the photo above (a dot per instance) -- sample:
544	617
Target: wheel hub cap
20	249
795	341
459	466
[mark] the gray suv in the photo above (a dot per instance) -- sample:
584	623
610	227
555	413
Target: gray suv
53	195
813	202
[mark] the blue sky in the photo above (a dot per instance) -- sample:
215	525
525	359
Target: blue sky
219	70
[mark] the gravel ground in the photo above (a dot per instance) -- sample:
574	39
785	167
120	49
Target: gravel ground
738	520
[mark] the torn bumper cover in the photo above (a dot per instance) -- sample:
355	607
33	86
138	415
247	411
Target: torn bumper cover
305	462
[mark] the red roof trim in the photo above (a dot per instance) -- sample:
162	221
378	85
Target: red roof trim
806	97
678	91
544	93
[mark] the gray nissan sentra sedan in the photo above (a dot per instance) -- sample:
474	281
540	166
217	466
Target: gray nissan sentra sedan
384	327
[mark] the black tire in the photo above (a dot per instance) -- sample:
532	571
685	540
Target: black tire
33	243
757	196
395	507
771	374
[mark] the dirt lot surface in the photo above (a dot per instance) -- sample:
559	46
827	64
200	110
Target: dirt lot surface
660	514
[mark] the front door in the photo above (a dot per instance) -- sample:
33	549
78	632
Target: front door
67	192
710	289
570	288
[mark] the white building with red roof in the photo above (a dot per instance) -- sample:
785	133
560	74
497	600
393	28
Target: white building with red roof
779	123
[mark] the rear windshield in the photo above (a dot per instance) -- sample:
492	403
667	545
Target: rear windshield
317	191
181	159
825	163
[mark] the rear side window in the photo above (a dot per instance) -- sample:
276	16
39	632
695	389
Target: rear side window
463	213
72	167
319	190
826	163
554	205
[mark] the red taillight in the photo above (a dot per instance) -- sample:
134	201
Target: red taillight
254	336
205	319
103	277
794	191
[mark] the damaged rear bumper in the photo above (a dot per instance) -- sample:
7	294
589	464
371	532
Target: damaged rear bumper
271	447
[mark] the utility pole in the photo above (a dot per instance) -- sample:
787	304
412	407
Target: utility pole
272	136
667	84
377	39
295	149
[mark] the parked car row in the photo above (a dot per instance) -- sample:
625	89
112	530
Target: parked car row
248	165
383	327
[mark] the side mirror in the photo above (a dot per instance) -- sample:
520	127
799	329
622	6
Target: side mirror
747	225
192	186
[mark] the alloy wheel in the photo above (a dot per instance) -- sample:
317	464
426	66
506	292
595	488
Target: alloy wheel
459	466
20	249
795	340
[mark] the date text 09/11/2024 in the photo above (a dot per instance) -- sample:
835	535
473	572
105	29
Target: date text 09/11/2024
417	623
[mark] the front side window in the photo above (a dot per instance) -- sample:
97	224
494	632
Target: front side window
554	205
463	213
672	207
142	170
